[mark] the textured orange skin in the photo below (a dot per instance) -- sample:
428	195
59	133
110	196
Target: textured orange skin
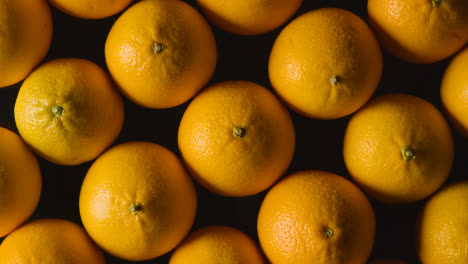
372	148
91	9
388	261
416	32
249	17
92	115
217	244
150	175
50	241
25	36
442	229
233	166
20	182
454	92
316	46
296	211
168	78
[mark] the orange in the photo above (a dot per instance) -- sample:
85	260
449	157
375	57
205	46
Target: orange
249	17
161	53
25	36
236	138
217	244
50	241
316	217
326	63
68	111
442	229
388	261
91	9
454	92
20	182
137	202
398	148
420	31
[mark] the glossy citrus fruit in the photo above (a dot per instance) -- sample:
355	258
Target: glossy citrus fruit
249	17
326	63
137	202
442	229
20	182
217	244
25	36
388	261
420	31
91	9
316	217
50	241
161	53
68	111
454	92
398	148
236	138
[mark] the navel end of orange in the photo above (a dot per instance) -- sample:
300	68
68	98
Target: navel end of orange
408	153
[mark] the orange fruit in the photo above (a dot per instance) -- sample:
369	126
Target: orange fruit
68	111
50	241
20	182
420	31
398	148
236	138
26	33
137	202
91	9
442	229
249	17
217	244
454	92
326	63
161	53
388	261
316	217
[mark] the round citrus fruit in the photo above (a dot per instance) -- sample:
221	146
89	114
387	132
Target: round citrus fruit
442	229
454	92
91	9
20	182
25	36
420	31
50	241
137	202
316	217
326	63
249	17
398	148
68	111
388	261
236	138
161	53
217	244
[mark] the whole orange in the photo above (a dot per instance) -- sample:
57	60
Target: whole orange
137	202
161	53
236	138
91	9
326	63
420	31
398	148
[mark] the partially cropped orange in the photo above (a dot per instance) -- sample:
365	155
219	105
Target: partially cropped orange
25	36
91	9
236	138
20	182
68	111
326	63
398	148
215	245
316	217
161	53
137	202
420	31
388	261
50	241
249	17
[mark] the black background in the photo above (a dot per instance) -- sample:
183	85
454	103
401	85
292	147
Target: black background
318	146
